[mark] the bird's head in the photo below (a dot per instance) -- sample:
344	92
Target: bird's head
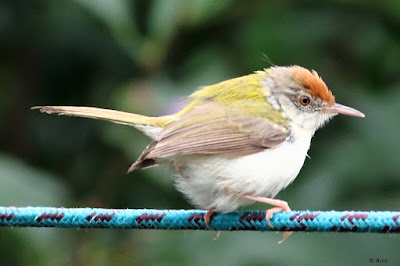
303	97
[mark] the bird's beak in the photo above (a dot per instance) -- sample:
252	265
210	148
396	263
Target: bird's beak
344	110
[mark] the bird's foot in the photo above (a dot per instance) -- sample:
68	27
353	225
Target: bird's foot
207	220
281	205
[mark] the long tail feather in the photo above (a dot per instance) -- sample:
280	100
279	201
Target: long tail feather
139	121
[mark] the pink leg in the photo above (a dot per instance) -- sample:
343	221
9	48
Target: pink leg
281	205
207	219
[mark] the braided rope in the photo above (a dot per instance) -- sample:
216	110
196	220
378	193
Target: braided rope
326	221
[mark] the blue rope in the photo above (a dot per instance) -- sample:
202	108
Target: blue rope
323	221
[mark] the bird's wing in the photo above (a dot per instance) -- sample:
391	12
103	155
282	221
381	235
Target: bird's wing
210	128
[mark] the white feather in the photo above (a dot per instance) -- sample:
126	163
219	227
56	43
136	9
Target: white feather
217	181
149	130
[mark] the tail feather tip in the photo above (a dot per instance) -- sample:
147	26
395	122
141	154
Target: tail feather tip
132	168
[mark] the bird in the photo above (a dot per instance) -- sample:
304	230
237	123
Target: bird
236	142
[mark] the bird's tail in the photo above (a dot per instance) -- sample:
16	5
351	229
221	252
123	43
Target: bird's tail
151	126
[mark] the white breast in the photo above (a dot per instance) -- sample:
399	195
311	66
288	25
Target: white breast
210	181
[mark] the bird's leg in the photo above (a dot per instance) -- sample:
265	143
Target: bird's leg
207	220
281	205
207	217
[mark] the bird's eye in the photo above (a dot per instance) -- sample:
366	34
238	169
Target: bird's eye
305	100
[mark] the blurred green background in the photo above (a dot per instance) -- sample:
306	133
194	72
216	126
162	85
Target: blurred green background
145	57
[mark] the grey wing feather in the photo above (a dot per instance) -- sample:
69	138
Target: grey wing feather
212	129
